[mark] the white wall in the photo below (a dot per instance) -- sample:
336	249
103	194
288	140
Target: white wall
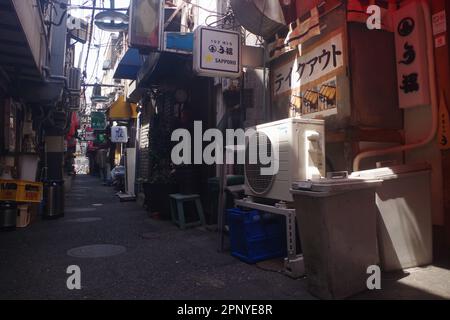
417	125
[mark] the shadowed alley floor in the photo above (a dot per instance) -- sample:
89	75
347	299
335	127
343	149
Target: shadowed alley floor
157	261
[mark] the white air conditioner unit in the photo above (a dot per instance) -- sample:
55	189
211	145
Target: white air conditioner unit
301	156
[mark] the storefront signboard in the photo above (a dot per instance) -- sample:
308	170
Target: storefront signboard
310	80
217	53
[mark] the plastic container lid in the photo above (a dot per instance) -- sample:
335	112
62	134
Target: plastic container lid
391	172
333	186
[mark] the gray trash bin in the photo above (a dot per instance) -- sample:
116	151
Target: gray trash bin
53	200
8	215
337	224
404	220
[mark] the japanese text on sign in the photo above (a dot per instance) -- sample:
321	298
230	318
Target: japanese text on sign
412	71
319	62
217	52
119	134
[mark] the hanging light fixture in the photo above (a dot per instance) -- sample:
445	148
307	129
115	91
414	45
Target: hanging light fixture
112	21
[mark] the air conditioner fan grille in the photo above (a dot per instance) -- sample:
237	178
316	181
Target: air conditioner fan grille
257	182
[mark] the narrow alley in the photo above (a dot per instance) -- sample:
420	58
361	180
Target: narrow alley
160	261
225	150
137	257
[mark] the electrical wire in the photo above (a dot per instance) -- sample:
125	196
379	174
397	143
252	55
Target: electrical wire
91	28
200	7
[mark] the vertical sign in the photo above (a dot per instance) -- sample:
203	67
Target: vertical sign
217	52
98	120
439	23
144	28
411	56
119	134
444	125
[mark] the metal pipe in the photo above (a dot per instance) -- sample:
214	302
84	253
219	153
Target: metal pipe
96	8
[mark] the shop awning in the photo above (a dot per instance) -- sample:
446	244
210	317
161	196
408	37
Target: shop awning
129	65
122	110
164	66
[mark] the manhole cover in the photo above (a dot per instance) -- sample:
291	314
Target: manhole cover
151	235
85	219
96	251
98	204
80	210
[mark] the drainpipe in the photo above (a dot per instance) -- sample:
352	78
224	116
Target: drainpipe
434	100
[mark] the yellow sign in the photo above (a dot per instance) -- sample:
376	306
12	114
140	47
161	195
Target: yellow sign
444	125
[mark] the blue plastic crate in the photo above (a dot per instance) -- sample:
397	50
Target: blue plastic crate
256	236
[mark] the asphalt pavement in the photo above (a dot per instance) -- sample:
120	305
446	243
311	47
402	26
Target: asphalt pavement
154	258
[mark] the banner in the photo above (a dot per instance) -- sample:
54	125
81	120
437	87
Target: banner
277	48
299	32
357	12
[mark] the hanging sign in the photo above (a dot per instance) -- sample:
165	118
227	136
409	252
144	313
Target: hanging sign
119	134
98	120
444	125
439	23
89	136
217	53
440	41
411	56
145	24
322	62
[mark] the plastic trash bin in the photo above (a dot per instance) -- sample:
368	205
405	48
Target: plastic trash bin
404	219
337	224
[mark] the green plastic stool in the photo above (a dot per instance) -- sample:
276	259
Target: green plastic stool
177	201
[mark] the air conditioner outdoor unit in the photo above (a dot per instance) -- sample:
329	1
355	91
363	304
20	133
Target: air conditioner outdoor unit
74	80
74	87
301	156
